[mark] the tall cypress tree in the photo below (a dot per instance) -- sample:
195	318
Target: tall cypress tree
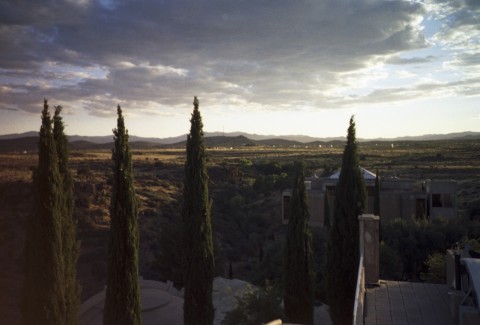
376	198
343	246
43	296
376	204
326	211
298	261
122	301
70	245
199	259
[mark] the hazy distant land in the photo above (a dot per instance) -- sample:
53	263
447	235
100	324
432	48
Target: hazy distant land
28	141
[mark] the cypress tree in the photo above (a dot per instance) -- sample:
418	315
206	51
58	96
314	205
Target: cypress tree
376	204
326	212
376	198
230	271
199	259
343	246
43	296
70	245
122	301
298	263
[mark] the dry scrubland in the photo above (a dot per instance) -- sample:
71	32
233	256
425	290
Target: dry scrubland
245	185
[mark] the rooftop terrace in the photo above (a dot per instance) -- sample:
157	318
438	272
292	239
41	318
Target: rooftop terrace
400	303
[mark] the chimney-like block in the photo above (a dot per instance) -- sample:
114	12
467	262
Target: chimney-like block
370	246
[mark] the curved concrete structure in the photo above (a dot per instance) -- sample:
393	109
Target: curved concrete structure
161	304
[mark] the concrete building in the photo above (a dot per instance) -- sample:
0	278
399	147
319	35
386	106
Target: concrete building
399	198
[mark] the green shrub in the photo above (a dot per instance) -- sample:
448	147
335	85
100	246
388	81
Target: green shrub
436	269
256	306
390	264
414	241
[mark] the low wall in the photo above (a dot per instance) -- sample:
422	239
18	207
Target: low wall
359	294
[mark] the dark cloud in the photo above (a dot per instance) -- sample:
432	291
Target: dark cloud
413	60
468	60
467	87
276	53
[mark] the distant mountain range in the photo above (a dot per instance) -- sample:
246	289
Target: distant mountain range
177	139
28	140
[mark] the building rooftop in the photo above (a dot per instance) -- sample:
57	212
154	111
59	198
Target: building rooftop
400	303
367	175
161	304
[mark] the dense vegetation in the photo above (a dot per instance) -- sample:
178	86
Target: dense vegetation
70	244
298	262
49	289
199	264
122	298
256	306
245	185
343	245
410	248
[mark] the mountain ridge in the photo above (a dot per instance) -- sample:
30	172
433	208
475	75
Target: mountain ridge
10	143
255	137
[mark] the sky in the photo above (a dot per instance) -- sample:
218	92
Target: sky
272	67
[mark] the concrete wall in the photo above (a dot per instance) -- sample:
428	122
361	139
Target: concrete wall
369	246
315	206
442	198
399	199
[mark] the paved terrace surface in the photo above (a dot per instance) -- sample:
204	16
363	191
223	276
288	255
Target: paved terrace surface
401	303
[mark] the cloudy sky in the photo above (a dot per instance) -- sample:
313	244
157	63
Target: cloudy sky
267	66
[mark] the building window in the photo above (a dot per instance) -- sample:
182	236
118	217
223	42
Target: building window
442	200
437	200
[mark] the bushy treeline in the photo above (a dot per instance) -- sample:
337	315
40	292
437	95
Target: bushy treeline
408	244
246	224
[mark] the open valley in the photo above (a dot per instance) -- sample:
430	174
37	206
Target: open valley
245	186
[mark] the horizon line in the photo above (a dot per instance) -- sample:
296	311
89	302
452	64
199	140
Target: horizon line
226	134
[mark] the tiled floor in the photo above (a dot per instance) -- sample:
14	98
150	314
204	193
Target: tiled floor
401	303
